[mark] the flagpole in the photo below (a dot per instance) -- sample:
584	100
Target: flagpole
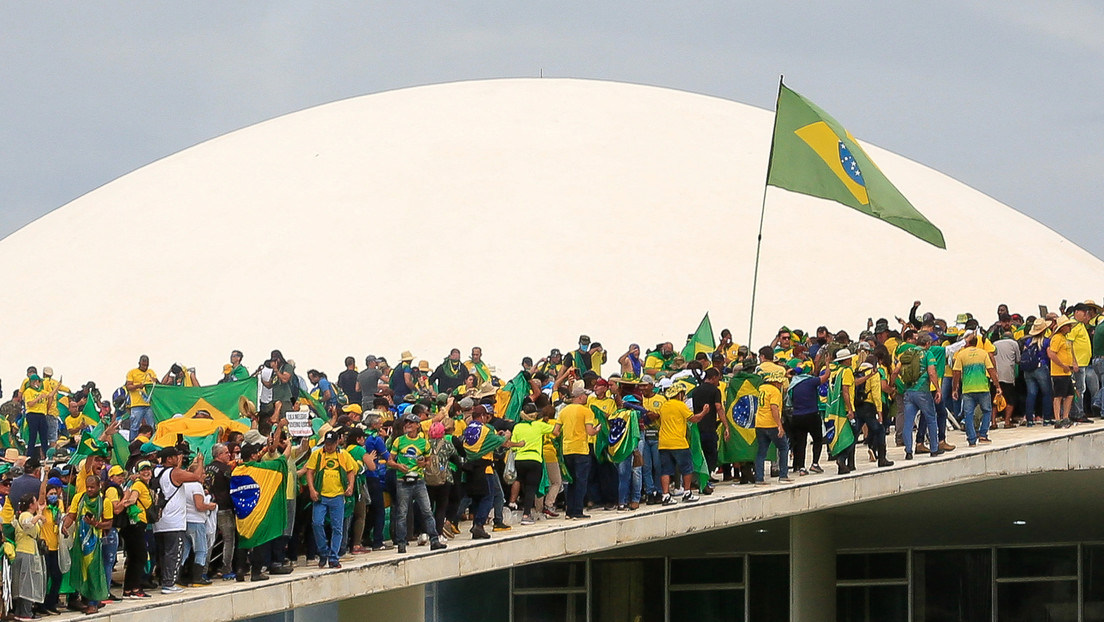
762	216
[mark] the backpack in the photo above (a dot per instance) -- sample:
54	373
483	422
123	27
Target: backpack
294	384
436	468
160	501
121	519
120	399
1029	360
339	395
912	366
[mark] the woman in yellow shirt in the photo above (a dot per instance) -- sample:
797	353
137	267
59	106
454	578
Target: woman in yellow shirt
768	428
28	572
52	514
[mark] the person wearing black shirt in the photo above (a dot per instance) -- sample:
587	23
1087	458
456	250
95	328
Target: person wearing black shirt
707	402
450	374
347	381
218	483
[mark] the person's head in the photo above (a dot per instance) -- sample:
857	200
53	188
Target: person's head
97	463
481	414
784	338
220	453
53	494
29	503
1081	314
910	336
32	466
584	342
170	457
420	411
726	335
277	359
330	441
713	376
476	354
143	362
578	392
766	354
32	371
971	341
527	363
1002	309
373	422
117	475
923	340
555	356
34	381
314	375
235	357
667	348
354	437
92	485
145	470
5	485
370	362
601	387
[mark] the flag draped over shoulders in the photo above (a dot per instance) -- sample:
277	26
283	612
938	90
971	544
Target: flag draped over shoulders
838	435
480	440
258	492
618	434
741	402
509	398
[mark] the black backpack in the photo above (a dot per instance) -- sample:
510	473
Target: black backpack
1029	360
160	501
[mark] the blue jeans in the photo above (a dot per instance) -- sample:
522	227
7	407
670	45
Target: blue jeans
919	402
651	471
1078	407
625	491
497	497
940	422
980	399
138	416
483	505
110	550
406	492
766	436
197	541
52	424
37	434
334	508
1039	387
578	466
950	405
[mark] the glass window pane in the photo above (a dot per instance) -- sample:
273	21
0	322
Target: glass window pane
769	588
548	608
859	566
952	586
1051	561
627	590
875	603
1093	583
454	597
550	574
712	605
707	570
1053	601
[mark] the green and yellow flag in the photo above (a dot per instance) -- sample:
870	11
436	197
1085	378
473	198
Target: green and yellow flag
813	154
509	399
220	400
258	491
481	440
700	341
618	434
838	434
742	402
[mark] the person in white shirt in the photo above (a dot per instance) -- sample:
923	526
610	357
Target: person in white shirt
198	506
171	530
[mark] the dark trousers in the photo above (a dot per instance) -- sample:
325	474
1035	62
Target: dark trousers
439	500
607	482
37	434
801	428
53	576
578	466
529	473
134	543
709	449
374	517
171	544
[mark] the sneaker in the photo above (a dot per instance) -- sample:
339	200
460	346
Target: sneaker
402	548
437	546
527	520
802	471
984	440
785	480
550	513
281	569
763	483
423	539
622	508
172	589
669	500
676	491
908	456
582	516
322	562
501	527
708	490
816	469
229	576
335	564
382	547
689	496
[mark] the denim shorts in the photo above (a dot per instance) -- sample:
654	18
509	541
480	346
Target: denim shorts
676	458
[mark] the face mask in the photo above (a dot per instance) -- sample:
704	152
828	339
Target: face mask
585	347
52	499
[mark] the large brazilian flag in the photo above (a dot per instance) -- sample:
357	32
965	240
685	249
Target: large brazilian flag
220	400
509	398
838	435
480	440
618	434
813	154
258	490
742	402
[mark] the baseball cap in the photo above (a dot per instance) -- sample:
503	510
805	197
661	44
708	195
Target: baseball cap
331	437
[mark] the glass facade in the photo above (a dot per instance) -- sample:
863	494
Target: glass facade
1058	583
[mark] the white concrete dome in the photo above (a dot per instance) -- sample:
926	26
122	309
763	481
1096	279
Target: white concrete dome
509	214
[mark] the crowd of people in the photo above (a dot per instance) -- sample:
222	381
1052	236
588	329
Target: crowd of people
415	454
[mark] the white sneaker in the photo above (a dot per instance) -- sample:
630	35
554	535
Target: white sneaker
423	539
689	496
676	491
172	589
669	500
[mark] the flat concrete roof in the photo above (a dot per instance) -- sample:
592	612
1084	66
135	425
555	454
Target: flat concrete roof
1016	452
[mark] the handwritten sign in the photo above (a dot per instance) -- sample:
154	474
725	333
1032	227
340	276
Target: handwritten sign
299	423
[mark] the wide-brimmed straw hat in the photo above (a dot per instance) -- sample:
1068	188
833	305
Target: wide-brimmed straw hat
843	355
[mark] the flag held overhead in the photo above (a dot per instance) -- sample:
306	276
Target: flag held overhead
813	154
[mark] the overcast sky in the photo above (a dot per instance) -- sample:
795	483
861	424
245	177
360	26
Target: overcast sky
1005	97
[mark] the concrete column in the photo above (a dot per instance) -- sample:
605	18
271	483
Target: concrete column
406	604
812	569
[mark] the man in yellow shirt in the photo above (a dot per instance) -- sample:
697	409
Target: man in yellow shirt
1081	343
138	382
328	490
649	434
53	414
36	400
674	446
1062	367
578	427
768	429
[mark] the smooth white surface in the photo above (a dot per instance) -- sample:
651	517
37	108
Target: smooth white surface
510	214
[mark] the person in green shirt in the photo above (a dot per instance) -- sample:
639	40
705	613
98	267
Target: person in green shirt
409	454
529	458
